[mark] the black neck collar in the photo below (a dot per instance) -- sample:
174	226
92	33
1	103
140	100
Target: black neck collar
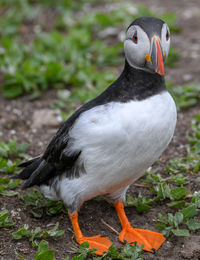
138	84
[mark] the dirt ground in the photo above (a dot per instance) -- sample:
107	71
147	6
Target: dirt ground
16	123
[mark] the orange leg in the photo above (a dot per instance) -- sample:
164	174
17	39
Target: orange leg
99	242
152	240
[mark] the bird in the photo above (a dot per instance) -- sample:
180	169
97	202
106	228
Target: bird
110	141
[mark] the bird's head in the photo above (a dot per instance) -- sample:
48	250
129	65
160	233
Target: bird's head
147	44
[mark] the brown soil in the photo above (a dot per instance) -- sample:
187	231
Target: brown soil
15	123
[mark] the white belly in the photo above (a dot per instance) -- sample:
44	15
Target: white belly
119	141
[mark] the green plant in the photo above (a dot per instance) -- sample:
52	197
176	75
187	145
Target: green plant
133	252
11	151
5	221
190	163
71	54
37	233
43	252
185	96
170	225
7	187
39	204
141	203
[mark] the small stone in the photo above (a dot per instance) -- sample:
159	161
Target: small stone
187	77
12	132
45	117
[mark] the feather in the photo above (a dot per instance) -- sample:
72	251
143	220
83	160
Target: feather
25	164
42	173
30	168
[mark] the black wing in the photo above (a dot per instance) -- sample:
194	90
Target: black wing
54	162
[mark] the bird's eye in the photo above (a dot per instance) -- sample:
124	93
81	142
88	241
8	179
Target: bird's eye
167	35
135	38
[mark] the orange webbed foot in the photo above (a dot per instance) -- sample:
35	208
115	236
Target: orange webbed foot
102	244
98	242
152	241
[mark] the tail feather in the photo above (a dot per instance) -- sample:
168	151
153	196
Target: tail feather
31	166
25	164
41	174
37	171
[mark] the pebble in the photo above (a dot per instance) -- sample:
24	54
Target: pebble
12	132
187	77
45	117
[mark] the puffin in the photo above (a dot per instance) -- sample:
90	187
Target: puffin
110	141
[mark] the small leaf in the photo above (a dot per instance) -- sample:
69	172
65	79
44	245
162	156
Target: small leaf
193	224
178	193
46	255
43	246
181	232
178	219
189	212
162	218
5	221
43	252
9	193
22	232
130	252
179	203
12	91
112	251
170	219
84	245
3	215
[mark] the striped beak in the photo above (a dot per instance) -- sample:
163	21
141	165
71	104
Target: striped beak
156	58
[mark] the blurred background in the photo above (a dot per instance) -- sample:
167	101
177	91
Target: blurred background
57	55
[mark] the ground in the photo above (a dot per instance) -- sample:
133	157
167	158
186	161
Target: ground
16	123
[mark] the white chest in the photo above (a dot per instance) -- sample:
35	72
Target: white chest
119	141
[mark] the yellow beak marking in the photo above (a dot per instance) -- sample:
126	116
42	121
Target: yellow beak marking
147	57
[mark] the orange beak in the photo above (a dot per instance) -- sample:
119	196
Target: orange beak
160	64
156	57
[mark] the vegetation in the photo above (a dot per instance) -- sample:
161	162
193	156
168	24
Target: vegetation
77	54
74	52
37	233
5	221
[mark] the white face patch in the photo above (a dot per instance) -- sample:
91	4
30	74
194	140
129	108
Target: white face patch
165	39
137	44
135	51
